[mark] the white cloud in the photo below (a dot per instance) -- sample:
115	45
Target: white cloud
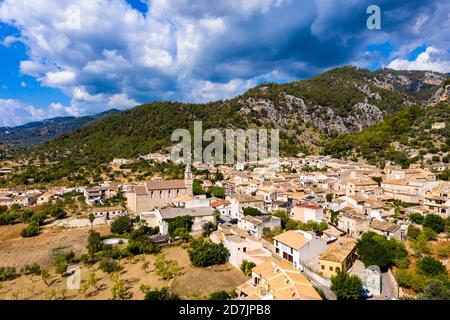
14	112
23	84
431	59
104	53
59	79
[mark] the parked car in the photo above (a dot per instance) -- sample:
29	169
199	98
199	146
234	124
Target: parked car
365	293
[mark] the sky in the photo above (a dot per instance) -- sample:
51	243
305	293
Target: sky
73	58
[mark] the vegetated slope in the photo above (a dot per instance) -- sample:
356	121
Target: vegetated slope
308	114
404	138
45	130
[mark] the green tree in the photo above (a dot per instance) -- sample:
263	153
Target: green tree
166	269
95	243
203	253
119	290
377	250
247	267
122	225
216	191
434	222
346	287
420	245
91	218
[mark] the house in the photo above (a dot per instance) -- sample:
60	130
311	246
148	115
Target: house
99	194
339	256
437	199
307	212
362	186
255	225
297	246
387	229
241	246
119	162
200	215
158	194
242	201
108	212
404	190
438	125
331	234
223	206
352	223
277	280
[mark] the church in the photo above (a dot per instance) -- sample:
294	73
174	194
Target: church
158	194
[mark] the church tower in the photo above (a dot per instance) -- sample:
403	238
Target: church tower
188	180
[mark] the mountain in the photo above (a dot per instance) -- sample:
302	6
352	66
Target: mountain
420	133
45	130
311	114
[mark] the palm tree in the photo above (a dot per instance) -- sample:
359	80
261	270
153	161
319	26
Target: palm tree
91	219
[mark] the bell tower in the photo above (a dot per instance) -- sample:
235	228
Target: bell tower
188	180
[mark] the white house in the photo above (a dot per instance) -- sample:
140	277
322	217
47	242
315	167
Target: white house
241	246
297	246
255	225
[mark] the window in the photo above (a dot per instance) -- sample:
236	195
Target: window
338	269
323	267
244	249
331	268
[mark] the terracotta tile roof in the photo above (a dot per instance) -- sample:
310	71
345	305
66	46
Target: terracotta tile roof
339	250
165	185
243	198
293	239
384	226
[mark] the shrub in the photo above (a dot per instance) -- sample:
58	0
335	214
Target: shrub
203	253
161	294
122	225
31	230
59	213
181	222
429	266
410	280
109	265
413	232
7	273
251	212
219	295
31	269
435	290
61	261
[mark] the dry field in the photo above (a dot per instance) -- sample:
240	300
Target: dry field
16	251
192	283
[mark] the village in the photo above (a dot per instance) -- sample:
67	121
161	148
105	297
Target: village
289	225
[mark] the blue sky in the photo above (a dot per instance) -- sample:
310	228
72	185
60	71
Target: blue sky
82	57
